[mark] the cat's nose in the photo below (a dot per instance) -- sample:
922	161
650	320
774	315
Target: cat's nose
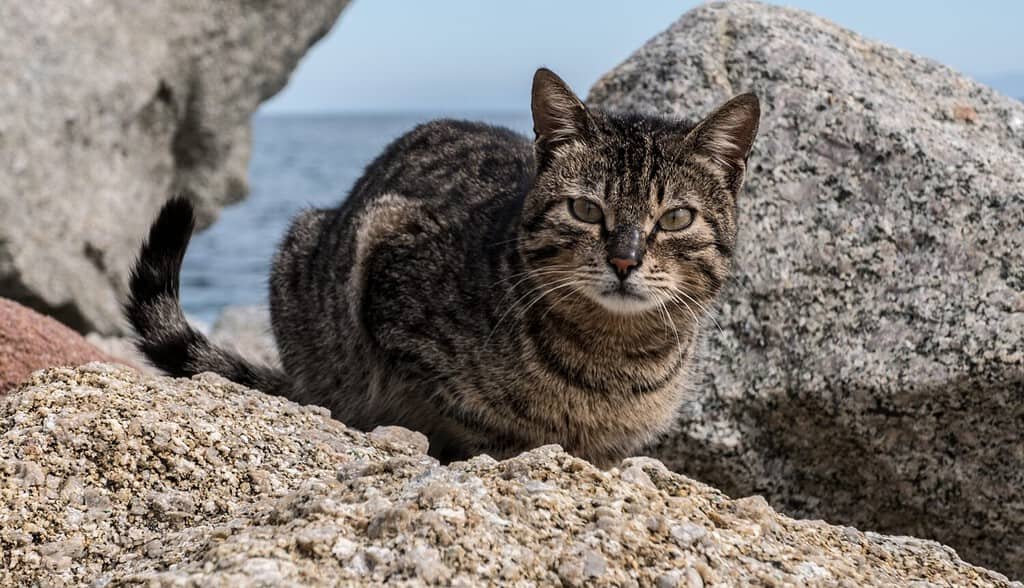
623	265
625	250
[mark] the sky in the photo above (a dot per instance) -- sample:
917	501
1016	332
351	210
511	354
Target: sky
467	55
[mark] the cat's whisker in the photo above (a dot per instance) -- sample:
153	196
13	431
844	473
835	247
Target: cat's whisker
514	305
533	291
506	242
511	289
539	274
561	299
550	291
677	299
533	272
663	308
703	309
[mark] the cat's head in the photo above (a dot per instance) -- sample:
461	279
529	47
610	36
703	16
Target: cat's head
633	212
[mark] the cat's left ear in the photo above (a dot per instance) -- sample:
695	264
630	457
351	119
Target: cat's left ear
559	116
728	133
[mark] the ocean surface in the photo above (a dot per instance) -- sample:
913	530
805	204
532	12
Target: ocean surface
298	161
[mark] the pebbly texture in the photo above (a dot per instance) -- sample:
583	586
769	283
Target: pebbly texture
870	364
30	341
107	109
115	478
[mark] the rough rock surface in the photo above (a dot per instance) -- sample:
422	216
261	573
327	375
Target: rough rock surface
870	364
30	341
106	109
112	477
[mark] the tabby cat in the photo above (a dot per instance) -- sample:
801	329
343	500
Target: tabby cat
496	295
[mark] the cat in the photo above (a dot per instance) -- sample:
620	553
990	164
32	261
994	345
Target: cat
493	293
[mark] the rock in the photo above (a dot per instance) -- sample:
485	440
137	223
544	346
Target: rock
400	439
668	579
113	477
247	330
30	341
109	108
869	369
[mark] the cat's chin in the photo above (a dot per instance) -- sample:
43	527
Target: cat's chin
624	303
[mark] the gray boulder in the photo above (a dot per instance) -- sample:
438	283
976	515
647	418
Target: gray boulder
106	109
869	369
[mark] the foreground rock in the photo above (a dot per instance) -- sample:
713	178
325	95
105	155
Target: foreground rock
870	366
108	108
30	341
110	476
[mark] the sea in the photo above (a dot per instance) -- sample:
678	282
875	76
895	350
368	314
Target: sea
298	161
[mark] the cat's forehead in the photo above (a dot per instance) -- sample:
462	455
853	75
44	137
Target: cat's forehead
636	143
628	164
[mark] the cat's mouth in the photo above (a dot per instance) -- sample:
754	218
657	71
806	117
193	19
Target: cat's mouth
623	299
622	291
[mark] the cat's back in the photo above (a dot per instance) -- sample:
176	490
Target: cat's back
448	160
426	206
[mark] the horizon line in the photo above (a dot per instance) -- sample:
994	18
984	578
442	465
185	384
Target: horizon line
390	111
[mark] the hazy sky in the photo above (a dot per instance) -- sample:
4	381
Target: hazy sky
463	55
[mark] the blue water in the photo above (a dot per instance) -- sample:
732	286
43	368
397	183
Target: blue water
297	162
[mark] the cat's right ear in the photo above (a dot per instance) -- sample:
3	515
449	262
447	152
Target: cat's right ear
558	115
727	134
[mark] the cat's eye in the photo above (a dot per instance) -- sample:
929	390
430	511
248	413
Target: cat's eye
585	210
676	219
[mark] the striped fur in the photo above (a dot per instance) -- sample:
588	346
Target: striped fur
454	291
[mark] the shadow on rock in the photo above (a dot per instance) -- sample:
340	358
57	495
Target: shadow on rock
941	462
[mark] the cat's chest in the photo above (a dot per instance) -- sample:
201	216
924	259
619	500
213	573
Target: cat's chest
590	390
618	419
572	360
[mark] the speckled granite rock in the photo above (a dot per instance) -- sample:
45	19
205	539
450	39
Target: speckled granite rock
111	477
30	341
108	108
870	367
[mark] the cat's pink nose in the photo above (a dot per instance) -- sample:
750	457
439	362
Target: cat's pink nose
623	265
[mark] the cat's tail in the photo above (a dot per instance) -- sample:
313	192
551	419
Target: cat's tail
163	334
